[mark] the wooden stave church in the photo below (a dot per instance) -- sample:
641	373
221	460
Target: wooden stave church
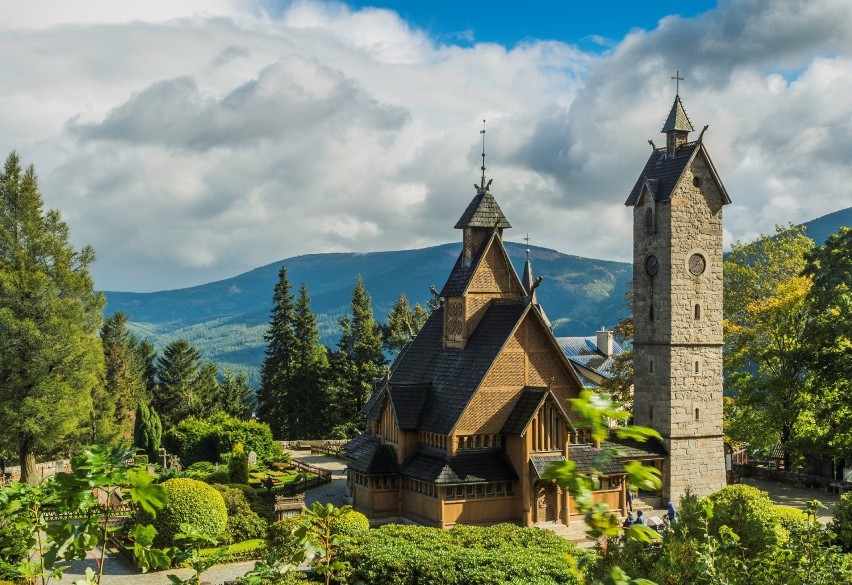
476	406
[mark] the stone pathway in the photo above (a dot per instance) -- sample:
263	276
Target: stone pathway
787	495
119	571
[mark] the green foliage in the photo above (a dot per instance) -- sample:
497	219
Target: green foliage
192	440
238	465
398	555
842	521
191	503
124	385
236	395
359	359
748	511
186	387
402	324
211	439
351	524
281	538
765	318
148	430
243	522
51	360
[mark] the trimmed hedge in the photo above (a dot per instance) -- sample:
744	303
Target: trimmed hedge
190	501
214	438
243	522
750	513
279	536
409	555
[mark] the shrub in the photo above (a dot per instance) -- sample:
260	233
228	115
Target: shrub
351	524
504	553
243	522
279	536
747	511
238	465
842	522
192	440
214	438
192	502
199	470
789	518
140	458
253	435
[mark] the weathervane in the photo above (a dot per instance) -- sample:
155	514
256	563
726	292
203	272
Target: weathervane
677	79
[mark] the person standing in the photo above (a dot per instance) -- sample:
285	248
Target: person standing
629	499
671	513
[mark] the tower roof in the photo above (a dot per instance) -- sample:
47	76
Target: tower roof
527	279
677	121
483	212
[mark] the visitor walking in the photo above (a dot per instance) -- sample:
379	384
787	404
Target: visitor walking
671	513
630	499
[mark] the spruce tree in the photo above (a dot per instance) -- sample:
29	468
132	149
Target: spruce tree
237	397
306	399
124	383
278	363
50	355
175	396
360	359
147	355
402	324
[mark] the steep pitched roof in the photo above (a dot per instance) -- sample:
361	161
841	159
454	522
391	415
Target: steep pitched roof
408	401
542	462
677	120
662	173
525	408
366	454
432	466
483	212
461	275
454	374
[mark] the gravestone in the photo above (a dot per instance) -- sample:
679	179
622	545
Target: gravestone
252	459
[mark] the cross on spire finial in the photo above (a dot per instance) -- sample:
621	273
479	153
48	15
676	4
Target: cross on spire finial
527	240
677	79
483	153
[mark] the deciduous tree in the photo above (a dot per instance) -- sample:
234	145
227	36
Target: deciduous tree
50	356
765	317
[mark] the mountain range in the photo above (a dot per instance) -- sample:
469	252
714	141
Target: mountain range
226	319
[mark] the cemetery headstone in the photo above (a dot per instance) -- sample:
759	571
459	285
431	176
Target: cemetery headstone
252	459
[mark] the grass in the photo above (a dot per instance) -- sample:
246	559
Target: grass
237	547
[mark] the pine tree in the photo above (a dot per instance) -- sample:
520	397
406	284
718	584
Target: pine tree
50	356
148	430
124	384
278	363
236	395
403	323
307	399
147	355
360	359
175	396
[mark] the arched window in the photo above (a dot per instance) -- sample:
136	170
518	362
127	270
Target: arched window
651	366
649	220
650	413
470	442
486	441
696	366
697	311
697	417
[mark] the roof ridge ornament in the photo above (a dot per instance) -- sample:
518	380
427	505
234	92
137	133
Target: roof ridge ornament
483	187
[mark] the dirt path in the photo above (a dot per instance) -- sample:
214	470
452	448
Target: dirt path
787	495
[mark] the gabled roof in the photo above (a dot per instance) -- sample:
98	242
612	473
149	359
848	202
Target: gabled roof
542	462
483	212
667	171
366	454
677	120
373	406
461	275
454	374
408	401
481	466
584	351
525	408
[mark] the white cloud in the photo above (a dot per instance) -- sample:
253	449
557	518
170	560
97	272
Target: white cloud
190	141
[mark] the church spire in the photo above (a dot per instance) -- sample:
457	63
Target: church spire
677	126
527	279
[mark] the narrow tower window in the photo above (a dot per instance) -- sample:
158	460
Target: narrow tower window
697	311
696	366
650	413
697	417
651	366
649	220
651	313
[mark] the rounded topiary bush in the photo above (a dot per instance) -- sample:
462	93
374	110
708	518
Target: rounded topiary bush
279	537
192	502
750	513
350	524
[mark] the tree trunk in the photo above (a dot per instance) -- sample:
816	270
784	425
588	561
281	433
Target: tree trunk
26	454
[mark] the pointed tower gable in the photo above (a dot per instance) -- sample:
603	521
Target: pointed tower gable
677	119
483	212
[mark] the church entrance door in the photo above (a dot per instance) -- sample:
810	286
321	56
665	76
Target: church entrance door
546	503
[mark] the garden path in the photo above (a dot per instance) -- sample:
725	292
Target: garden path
119	571
787	495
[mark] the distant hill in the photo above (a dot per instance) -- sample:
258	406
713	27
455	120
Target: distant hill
227	319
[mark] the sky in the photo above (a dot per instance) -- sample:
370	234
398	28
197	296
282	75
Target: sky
191	141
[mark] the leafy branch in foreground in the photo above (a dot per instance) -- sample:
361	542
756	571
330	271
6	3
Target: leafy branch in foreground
595	411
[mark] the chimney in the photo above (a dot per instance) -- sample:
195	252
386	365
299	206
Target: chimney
605	342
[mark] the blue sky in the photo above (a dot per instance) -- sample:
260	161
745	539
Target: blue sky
592	26
191	141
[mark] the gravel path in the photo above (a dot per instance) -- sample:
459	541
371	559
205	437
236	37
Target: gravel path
119	571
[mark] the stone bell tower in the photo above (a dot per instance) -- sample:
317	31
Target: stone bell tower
677	277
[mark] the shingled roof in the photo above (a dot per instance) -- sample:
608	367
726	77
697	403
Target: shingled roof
483	212
524	409
366	454
480	466
454	374
584	352
677	120
462	273
408	401
586	455
662	173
